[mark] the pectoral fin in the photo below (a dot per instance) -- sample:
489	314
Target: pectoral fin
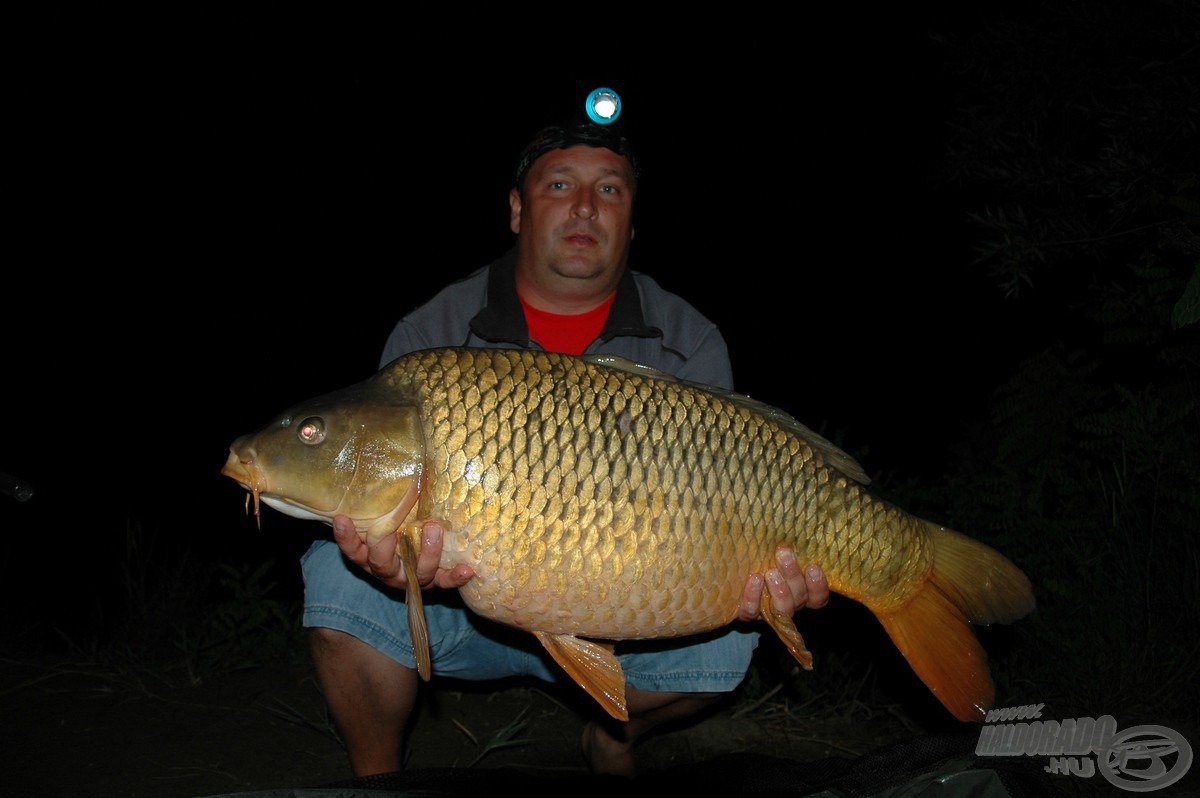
593	666
785	627
418	631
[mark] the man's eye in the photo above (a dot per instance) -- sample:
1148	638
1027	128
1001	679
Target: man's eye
557	184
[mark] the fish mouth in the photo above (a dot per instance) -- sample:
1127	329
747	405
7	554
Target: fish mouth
245	472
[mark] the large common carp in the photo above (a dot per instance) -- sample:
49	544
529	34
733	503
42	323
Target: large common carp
598	500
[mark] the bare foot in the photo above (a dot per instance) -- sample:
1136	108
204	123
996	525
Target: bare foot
606	754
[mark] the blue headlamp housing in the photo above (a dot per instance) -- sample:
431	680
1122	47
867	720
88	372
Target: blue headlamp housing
603	106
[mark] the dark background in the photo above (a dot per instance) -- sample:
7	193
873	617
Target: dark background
209	219
203	234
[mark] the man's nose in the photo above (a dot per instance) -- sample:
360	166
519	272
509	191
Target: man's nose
585	205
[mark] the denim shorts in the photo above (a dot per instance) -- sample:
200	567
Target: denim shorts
340	595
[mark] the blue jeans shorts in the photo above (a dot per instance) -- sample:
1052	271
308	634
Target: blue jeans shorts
340	595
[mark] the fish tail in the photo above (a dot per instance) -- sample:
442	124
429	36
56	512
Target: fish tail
970	583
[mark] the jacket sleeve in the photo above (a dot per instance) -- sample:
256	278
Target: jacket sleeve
445	320
708	362
405	337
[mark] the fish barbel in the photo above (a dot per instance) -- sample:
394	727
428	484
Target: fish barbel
598	500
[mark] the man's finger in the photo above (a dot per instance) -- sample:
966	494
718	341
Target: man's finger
751	596
781	593
456	577
431	552
347	539
818	588
382	558
793	577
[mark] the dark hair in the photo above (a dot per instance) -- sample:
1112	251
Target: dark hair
558	137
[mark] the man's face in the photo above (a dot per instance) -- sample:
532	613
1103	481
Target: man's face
575	220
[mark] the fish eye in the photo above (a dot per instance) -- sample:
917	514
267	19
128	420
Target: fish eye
311	430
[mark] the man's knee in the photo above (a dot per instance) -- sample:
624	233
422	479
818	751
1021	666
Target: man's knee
328	644
342	659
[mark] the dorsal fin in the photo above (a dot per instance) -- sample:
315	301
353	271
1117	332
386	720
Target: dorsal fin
834	456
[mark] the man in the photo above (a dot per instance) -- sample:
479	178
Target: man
565	287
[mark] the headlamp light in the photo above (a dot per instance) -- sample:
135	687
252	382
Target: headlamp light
603	106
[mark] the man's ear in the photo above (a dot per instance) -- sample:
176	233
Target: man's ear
514	206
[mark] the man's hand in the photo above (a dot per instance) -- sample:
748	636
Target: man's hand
381	560
790	587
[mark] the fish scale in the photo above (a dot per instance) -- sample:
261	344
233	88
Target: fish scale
599	500
689	519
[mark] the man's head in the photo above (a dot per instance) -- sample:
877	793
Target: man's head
572	211
560	137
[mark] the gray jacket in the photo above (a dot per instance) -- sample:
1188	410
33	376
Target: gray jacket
646	324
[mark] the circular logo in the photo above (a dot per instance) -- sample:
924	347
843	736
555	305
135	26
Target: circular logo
1146	758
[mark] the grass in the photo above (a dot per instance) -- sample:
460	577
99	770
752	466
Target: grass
322	724
505	737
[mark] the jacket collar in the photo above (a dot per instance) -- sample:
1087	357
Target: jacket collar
503	320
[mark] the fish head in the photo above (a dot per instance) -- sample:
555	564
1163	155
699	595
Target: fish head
355	452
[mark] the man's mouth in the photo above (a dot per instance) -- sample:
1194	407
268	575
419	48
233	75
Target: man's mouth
581	239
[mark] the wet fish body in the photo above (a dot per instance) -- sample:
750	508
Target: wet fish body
598	500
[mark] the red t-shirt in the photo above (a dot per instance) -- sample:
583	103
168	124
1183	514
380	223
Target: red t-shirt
569	334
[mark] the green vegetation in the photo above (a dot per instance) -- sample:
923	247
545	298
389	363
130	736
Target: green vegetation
1074	143
181	620
1072	152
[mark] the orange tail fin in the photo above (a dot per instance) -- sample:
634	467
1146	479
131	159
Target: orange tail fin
970	583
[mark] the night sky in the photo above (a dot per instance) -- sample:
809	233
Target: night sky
201	241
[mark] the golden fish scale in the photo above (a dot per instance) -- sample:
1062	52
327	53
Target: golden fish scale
596	502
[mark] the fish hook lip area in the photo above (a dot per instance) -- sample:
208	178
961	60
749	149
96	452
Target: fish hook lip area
244	472
241	469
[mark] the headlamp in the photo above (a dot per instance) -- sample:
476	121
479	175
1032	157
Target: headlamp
603	106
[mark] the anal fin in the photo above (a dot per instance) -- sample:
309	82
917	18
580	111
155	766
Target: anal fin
785	627
418	629
593	666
